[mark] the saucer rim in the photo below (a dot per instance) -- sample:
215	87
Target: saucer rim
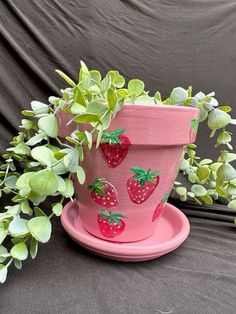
126	249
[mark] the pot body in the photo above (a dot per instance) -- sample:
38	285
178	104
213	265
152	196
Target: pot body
157	135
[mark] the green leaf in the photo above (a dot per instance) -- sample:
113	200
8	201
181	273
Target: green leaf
99	137
76	108
96	76
184	165
61	185
49	125
27	124
97	108
44	182
135	87
69	188
89	139
86	118
226	172
17	263
80	174
39	212
3	273
66	78
231	189
19	251
71	160
112	99
225	108
119	81
106	120
181	190
227	157
157	96
205	162
3	234
18	227
105	84
178	95
33	247
43	155
25	208
39	107
40	228
11	182
79	97
57	209
23	180
198	190
22	149
36	139
206	199
3	251
232	204
203	172
27	113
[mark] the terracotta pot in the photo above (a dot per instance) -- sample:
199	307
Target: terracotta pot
157	135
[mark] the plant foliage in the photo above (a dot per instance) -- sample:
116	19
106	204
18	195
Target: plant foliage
48	162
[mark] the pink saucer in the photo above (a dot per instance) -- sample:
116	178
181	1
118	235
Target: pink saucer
171	231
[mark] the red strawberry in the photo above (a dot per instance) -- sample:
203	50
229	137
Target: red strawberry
160	207
110	224
103	193
142	184
114	147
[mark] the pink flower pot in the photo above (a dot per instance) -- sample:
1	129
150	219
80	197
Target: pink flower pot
154	139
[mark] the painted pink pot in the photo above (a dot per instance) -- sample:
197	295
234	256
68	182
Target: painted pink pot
157	136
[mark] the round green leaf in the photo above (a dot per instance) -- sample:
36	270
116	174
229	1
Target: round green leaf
43	155
181	190
11	182
22	149
18	227
80	174
39	107
19	251
232	204
203	172
57	209
17	263
226	172
184	165
135	87
198	190
69	188
40	228
49	125
44	182
178	95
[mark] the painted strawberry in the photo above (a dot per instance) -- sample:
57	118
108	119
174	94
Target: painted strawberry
142	184
114	147
160	207
110	224
103	193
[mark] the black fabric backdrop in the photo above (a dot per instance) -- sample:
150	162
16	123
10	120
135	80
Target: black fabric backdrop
166	43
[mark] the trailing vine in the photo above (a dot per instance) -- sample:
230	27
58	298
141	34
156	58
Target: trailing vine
39	164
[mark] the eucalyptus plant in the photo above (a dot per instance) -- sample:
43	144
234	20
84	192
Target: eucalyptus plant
39	164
